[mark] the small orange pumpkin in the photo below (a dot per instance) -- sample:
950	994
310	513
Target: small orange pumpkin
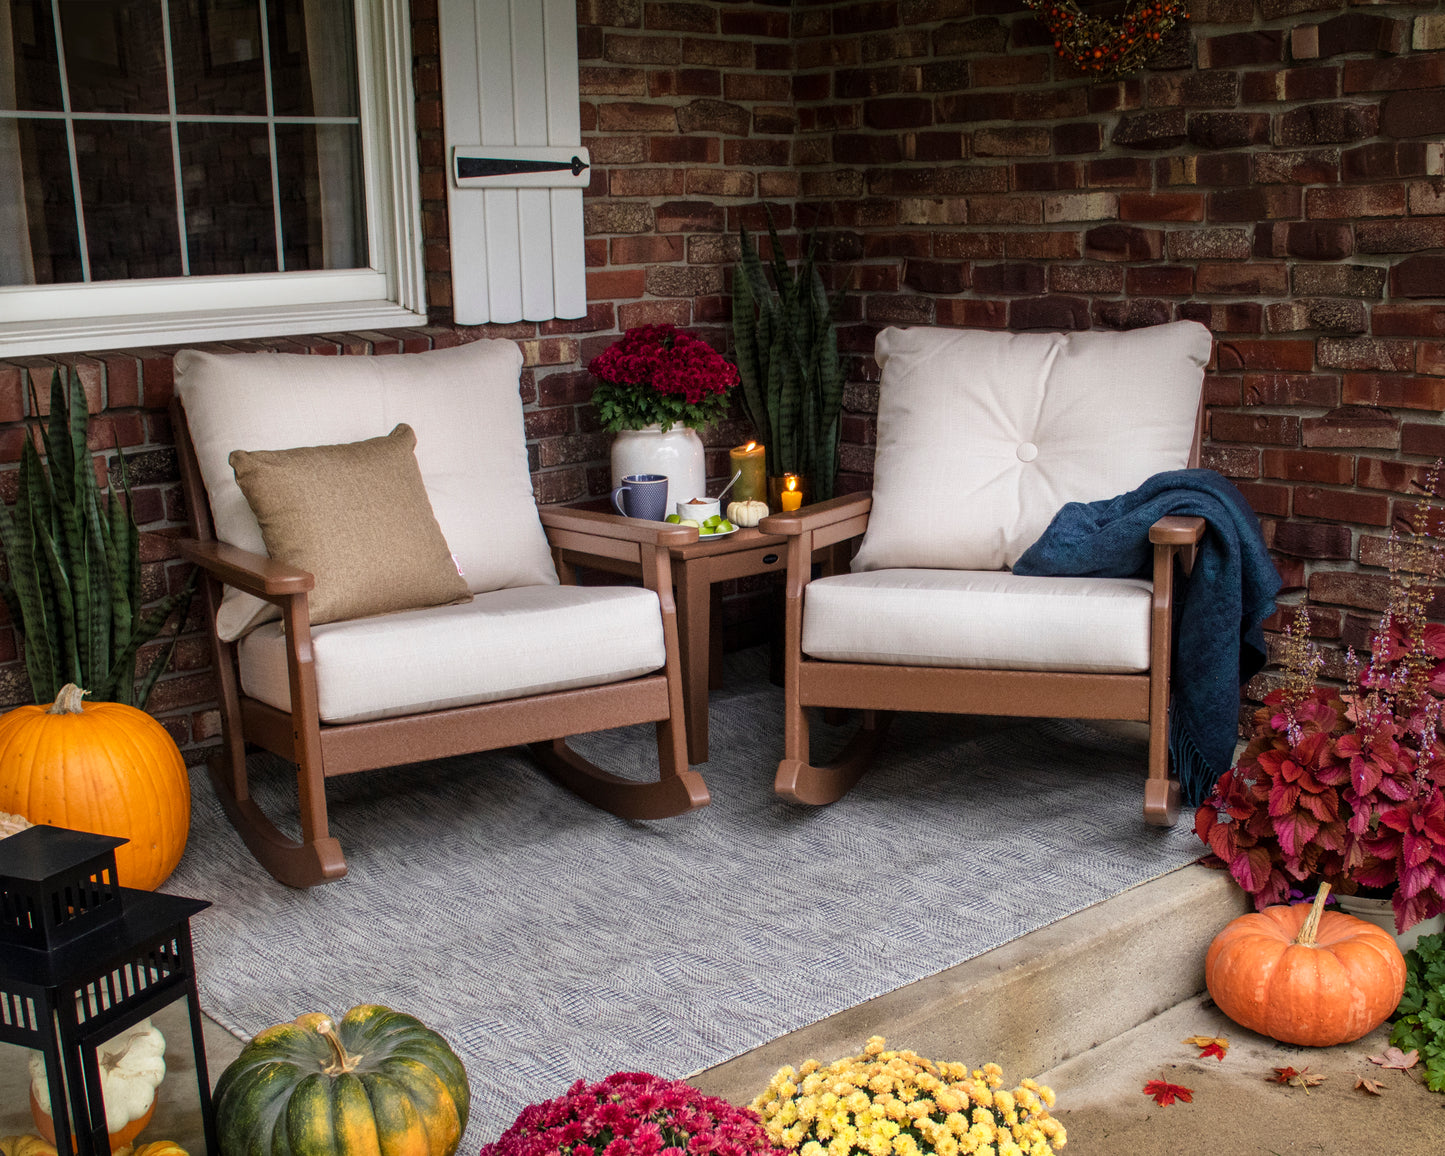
1303	975
103	767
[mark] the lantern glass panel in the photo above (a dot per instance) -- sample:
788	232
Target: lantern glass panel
149	1087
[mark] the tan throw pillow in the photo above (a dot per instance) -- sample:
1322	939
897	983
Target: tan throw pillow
357	517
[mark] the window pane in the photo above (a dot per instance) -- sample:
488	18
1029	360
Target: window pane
127	190
29	67
230	225
323	222
313	57
216	52
114	55
39	242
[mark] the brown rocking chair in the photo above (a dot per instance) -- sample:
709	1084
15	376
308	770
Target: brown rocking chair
518	659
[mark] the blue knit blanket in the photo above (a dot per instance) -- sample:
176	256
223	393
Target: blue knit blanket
1220	607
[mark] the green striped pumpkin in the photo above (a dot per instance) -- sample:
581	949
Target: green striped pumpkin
378	1083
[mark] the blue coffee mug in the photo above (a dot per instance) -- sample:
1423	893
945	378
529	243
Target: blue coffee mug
642	496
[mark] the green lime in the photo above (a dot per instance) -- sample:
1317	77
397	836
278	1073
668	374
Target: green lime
674	518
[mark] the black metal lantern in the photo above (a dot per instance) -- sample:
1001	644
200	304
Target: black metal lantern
83	960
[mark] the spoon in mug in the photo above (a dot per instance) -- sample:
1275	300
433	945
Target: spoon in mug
729	486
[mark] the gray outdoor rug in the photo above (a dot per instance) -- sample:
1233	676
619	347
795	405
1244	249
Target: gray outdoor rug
550	941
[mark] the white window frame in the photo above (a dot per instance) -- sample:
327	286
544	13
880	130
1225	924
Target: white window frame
43	319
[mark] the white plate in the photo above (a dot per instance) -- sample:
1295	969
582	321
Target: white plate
723	534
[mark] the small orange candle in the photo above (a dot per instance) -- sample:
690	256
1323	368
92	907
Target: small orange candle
792	497
752	484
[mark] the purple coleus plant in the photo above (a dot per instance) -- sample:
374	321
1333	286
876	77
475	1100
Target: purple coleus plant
1347	786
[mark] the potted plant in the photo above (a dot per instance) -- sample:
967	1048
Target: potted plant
656	386
72	556
897	1102
633	1114
785	342
1348	785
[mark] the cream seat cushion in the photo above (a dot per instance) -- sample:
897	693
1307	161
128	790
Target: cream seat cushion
503	644
981	619
983	436
463	403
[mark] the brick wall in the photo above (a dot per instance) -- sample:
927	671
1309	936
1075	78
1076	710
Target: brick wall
1277	174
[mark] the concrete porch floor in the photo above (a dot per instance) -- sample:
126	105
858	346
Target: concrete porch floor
1095	1006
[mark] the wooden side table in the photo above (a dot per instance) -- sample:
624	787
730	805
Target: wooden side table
695	568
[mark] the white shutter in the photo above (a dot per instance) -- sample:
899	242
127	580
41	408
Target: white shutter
509	94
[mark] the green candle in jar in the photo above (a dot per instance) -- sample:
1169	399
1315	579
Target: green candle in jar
752	484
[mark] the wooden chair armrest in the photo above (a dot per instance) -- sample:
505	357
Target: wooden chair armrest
254	573
613	526
1173	530
818	515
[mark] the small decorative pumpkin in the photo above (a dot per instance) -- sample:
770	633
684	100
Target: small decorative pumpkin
747	513
158	1148
25	1146
376	1077
102	767
132	1066
1303	975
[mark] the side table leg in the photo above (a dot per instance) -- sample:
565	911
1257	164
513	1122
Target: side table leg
694	614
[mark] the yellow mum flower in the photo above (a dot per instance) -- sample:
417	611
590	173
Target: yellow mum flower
1003	1101
874	1046
808	1067
857	1101
947	1145
957	1123
811	1148
811	1084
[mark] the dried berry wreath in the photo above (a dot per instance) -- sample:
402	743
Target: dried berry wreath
1104	47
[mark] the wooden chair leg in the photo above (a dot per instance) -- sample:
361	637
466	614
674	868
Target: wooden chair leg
669	795
802	782
1161	791
297	864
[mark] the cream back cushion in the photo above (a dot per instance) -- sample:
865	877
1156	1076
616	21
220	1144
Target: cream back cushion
463	404
983	436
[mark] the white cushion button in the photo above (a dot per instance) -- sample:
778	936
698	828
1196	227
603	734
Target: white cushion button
1027	452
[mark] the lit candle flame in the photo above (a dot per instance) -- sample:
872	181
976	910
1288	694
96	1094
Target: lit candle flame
792	481
750	445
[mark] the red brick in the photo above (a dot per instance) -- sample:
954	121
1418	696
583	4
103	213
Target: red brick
1260	203
1408	320
1052	313
1419	276
688	217
1233	49
1228	130
1291	84
1408	236
1382	160
1416	113
1081	137
1160	129
1118	173
1430	357
1342	506
1387	474
1394	390
1367	591
1251	279
936	276
1266	500
1307	466
1161	207
1135	313
612	284
1321	280
1282	355
971	314
636	116
1052	246
1232	461
1419	438
1123	243
1328	314
1365	353
1333	123
1299	167
1313	540
1225	316
1159	281
636	313
1254	428
1048	176
1357	201
1086	279
1312	240
1352	426
1423	70
1360	32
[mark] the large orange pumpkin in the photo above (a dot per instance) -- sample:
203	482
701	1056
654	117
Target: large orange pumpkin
1303	975
103	767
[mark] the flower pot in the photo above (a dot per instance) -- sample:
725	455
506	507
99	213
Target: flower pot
1382	914
677	453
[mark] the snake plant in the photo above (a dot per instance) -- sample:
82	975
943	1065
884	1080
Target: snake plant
73	560
786	347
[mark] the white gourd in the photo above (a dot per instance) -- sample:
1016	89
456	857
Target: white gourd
747	513
132	1066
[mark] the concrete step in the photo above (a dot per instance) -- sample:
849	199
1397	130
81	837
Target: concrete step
1032	1003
